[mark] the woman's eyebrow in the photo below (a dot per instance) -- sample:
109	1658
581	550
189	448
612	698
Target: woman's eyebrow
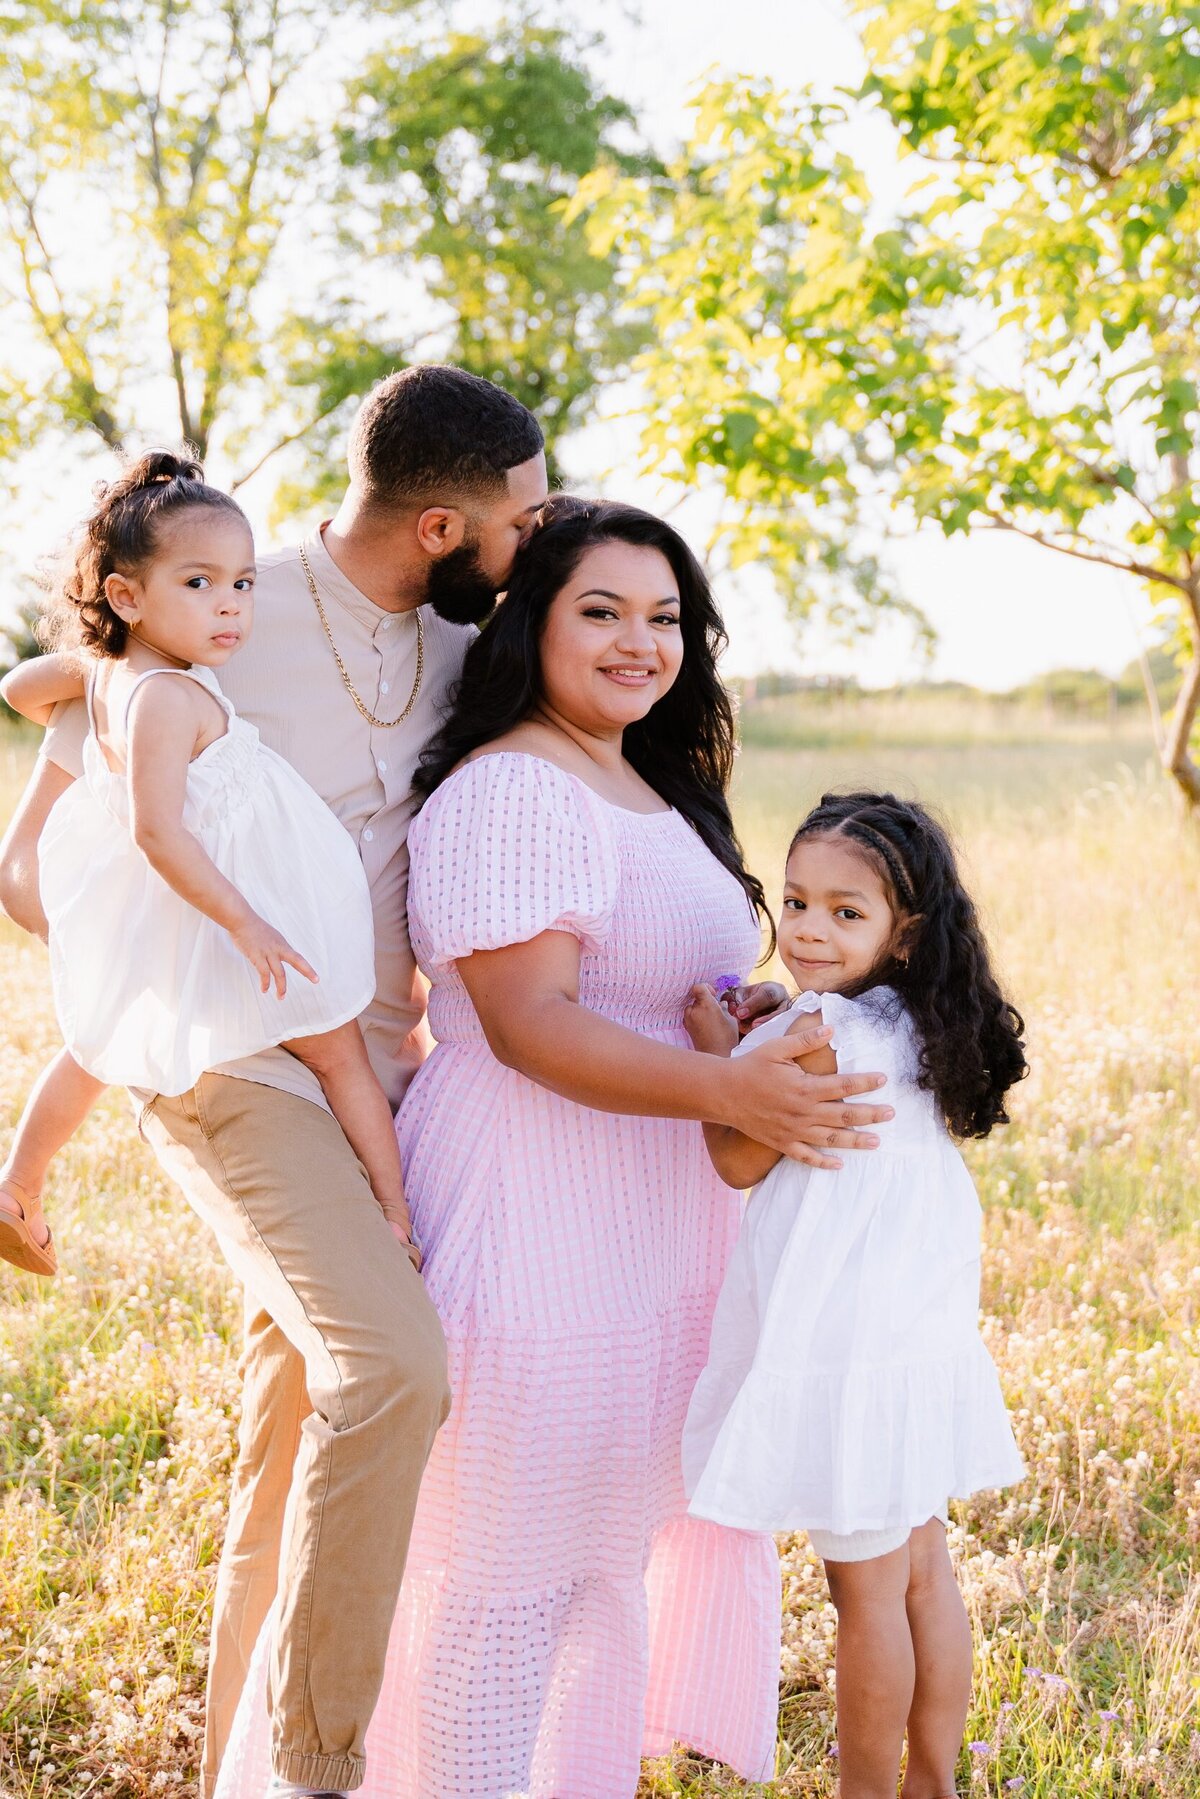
604	593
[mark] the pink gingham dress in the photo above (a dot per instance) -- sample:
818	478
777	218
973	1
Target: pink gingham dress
561	1615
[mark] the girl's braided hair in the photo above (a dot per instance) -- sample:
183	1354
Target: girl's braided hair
970	1037
120	537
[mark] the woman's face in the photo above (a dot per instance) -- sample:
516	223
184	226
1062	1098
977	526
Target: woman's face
612	643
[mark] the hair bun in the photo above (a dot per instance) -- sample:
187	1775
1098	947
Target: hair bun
155	466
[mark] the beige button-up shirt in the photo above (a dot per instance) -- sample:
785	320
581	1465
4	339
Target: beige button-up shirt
285	681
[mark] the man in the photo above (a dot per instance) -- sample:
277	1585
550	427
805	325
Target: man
358	633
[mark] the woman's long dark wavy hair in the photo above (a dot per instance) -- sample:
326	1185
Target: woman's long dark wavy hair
683	747
971	1038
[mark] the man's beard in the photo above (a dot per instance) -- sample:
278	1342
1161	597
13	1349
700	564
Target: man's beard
460	590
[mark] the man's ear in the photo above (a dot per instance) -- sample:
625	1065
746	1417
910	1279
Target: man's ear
122	597
441	529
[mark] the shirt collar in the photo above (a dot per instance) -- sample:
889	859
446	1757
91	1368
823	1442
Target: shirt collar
332	584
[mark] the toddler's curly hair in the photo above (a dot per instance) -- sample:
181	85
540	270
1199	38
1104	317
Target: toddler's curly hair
121	536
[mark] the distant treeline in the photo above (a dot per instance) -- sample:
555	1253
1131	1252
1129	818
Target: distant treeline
1078	692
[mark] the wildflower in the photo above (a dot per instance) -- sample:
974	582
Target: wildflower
981	1748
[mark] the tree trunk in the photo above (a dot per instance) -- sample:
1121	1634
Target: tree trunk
1176	754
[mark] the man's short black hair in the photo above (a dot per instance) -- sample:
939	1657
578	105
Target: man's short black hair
430	433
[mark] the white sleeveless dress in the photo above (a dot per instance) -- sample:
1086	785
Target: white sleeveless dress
847	1388
149	991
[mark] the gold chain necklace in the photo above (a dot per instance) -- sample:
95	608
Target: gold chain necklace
380	724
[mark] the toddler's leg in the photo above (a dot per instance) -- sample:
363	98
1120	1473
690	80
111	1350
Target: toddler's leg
942	1645
340	1062
60	1101
875	1671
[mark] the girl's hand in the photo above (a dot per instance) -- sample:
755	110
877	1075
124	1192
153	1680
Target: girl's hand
707	1023
751	1005
262	945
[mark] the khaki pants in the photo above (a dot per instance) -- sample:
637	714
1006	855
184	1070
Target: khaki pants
344	1389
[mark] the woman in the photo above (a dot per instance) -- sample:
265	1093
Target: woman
574	872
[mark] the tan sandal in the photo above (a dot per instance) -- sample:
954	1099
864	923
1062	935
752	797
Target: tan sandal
17	1241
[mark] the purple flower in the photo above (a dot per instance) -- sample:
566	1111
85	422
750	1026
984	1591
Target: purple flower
1008	1705
1015	1784
1109	1717
724	982
1033	1674
981	1748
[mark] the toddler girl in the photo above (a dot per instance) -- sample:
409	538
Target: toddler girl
191	867
847	1391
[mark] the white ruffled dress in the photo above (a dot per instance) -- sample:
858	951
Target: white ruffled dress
149	991
847	1388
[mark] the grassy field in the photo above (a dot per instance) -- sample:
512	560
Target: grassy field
118	1384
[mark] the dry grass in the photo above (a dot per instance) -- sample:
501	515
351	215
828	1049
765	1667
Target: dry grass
117	1382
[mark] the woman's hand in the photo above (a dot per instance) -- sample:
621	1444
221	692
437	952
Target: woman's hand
268	951
707	1023
770	1098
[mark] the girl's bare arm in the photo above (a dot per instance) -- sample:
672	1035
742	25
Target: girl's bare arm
167	722
740	1159
34	688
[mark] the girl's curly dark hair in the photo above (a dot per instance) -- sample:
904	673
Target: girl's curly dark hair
120	537
970	1037
684	745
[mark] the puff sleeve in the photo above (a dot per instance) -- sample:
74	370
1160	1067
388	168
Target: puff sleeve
508	847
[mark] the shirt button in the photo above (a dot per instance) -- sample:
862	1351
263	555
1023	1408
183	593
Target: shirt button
386	625
383	686
381	765
368	835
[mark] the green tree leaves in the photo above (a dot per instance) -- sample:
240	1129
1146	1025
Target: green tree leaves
1018	349
279	220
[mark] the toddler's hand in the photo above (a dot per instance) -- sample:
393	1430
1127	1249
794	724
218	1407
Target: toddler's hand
400	1225
268	951
707	1023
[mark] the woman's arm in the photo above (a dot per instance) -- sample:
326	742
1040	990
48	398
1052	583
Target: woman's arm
167	720
527	999
36	687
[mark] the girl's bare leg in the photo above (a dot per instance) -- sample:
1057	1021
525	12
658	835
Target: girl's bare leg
60	1101
340	1062
942	1645
875	1671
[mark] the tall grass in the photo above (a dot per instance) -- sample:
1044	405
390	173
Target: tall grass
118	1384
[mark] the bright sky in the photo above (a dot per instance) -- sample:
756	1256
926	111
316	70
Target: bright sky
1003	610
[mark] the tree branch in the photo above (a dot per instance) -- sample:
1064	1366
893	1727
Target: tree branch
1107	556
242	267
170	227
284	442
55	327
